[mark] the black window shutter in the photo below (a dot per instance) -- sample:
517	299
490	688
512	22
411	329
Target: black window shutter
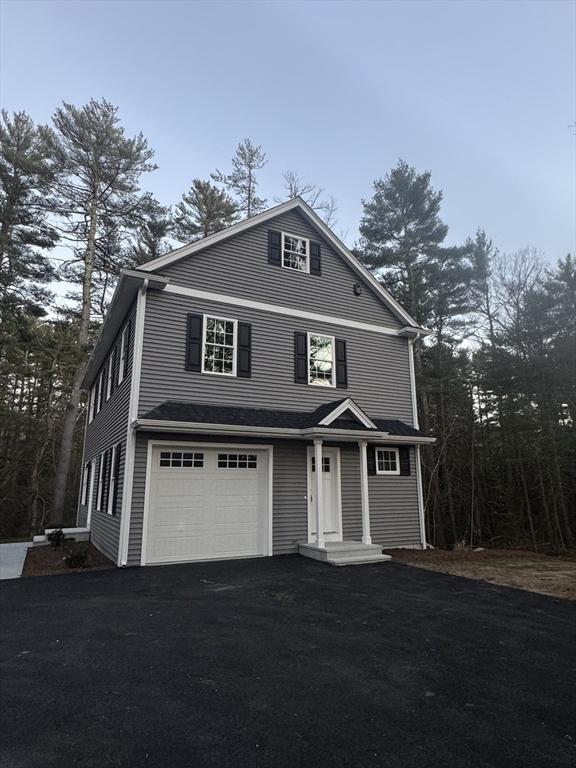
341	366
274	247
315	261
129	349
244	360
371	459
404	452
194	343
116	478
300	358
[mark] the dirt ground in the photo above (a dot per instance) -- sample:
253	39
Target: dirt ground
46	561
553	575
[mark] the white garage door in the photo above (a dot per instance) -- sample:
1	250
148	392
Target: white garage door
207	503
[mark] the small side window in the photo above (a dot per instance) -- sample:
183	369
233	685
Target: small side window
387	461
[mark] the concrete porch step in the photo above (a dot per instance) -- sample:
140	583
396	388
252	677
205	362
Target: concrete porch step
366	560
344	552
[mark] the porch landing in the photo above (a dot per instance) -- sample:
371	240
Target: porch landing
344	552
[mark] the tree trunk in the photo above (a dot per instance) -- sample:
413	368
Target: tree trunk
71	414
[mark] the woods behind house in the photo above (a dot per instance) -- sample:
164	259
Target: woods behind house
496	376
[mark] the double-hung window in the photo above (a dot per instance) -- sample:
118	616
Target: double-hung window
321	360
91	403
219	345
295	253
109	377
387	461
100	485
112	480
100	392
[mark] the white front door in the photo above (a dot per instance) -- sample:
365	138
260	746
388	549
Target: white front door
331	494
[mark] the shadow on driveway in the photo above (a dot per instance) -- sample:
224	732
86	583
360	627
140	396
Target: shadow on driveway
284	662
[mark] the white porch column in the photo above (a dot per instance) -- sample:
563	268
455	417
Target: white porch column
319	489
366	537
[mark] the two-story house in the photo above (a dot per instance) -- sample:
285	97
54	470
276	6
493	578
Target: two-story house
253	394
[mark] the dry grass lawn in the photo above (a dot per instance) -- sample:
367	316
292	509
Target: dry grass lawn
553	575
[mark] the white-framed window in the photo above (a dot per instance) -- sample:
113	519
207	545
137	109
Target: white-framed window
237	461
387	461
182	459
295	253
325	463
219	338
321	356
112	481
85	483
123	354
100	486
109	376
91	402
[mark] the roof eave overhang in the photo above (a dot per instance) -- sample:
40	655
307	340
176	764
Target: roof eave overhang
310	433
126	291
413	332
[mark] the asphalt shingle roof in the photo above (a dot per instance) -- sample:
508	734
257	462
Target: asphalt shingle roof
206	413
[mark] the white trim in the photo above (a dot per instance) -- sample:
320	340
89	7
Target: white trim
364	492
283	248
112	480
202	445
100	392
348	405
206	317
332	384
159	425
224	298
420	497
91	494
296	202
388	449
130	433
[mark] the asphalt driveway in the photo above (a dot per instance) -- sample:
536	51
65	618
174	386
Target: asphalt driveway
284	662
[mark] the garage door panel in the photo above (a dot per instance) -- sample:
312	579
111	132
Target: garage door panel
206	512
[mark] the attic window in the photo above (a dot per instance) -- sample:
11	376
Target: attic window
295	253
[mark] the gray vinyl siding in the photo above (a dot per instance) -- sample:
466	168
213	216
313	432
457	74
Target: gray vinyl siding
109	427
393	500
394	515
239	267
378	365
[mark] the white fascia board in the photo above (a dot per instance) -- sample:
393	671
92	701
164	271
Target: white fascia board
316	221
159	425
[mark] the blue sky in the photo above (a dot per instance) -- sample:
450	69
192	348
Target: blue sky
481	94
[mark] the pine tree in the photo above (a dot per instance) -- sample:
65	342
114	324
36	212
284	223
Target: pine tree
203	210
97	195
150	239
25	234
242	181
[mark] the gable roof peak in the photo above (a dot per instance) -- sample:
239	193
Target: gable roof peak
295	203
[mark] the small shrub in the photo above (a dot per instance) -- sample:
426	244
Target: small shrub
56	537
76	554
